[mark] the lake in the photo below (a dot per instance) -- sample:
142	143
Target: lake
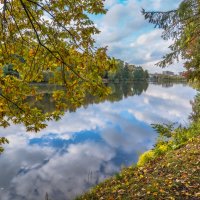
90	144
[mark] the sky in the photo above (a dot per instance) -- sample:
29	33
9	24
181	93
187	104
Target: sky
132	39
129	37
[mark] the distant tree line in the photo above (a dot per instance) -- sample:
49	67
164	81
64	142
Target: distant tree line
127	72
123	72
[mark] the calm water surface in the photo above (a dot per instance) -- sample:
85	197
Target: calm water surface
88	145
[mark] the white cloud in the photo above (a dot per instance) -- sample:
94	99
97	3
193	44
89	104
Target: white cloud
164	104
149	47
131	38
109	3
63	177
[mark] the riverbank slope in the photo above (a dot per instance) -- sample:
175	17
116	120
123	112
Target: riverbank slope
174	175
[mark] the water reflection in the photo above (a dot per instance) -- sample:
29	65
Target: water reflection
119	91
90	144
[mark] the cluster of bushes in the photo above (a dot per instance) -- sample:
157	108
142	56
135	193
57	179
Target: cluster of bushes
170	138
8	70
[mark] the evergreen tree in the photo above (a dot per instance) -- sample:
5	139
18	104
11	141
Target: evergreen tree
183	26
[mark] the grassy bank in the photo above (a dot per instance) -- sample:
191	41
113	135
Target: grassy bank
170	171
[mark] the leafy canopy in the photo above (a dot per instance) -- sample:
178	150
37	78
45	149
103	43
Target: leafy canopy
183	26
48	36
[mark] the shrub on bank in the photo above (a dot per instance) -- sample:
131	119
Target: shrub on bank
174	175
169	138
146	157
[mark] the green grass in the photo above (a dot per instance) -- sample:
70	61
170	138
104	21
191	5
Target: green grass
176	175
169	171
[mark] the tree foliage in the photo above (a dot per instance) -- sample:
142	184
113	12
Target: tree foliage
3	140
182	25
195	115
127	72
38	36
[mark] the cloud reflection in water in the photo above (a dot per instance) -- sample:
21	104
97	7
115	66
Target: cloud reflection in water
87	146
